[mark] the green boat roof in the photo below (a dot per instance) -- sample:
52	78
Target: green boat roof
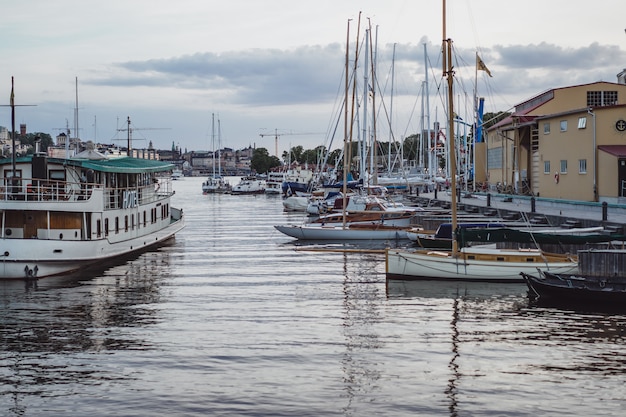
123	165
120	165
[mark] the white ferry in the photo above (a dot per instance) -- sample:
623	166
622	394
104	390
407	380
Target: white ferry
59	215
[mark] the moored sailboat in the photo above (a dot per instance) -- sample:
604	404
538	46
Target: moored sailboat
468	264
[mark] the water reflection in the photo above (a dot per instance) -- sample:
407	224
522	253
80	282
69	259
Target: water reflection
45	324
361	314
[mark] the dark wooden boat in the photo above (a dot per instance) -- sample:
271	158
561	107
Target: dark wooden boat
576	289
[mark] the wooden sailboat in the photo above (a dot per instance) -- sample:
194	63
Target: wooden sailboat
468	264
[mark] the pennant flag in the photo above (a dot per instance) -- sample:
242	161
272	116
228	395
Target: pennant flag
480	65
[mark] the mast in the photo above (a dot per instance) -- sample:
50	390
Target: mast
374	65
431	159
213	140
345	129
364	141
76	115
12	103
448	71
219	147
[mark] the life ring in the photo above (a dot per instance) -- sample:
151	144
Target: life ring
556	177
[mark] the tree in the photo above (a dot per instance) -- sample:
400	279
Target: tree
31	138
262	161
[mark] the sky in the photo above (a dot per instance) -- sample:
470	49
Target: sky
200	74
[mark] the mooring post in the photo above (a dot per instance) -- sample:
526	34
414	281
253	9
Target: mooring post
532	204
605	211
488	199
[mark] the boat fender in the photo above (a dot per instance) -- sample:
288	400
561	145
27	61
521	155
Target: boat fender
556	177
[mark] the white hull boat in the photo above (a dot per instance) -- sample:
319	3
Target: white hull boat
60	215
249	186
215	184
350	232
478	263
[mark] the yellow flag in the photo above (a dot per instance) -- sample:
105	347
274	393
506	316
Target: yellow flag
480	65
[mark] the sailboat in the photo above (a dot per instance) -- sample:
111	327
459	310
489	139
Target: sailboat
215	183
342	228
479	263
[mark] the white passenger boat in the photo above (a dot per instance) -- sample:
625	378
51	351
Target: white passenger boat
249	185
59	215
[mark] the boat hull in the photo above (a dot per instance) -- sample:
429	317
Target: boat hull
56	257
576	290
492	265
339	233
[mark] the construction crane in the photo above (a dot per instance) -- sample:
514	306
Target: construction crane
276	135
130	130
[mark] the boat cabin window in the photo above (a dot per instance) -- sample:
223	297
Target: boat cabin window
8	174
57	174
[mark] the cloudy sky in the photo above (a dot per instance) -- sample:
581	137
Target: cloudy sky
266	65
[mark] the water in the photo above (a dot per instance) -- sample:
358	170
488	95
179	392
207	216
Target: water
234	319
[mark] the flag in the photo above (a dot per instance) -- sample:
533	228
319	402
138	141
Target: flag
480	65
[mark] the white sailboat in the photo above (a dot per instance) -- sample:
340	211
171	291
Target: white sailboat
469	264
343	229
216	183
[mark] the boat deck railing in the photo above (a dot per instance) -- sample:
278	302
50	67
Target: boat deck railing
38	190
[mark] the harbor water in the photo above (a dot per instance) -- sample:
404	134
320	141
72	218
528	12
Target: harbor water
233	318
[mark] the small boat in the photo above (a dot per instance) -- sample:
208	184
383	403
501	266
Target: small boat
297	180
274	184
480	263
598	282
249	185
442	238
573	288
350	232
177	174
215	184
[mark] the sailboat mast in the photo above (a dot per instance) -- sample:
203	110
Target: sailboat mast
374	126
364	139
219	147
13	167
447	58
213	140
431	154
345	129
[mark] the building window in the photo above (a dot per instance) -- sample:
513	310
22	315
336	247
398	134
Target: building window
546	128
563	125
563	166
582	166
601	98
582	122
546	167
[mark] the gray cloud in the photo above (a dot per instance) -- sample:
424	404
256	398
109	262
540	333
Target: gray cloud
313	74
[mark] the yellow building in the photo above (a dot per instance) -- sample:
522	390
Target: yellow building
566	143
